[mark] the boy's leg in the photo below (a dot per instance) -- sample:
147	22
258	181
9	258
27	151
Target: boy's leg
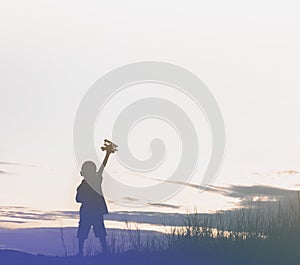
100	232
80	244
103	243
82	234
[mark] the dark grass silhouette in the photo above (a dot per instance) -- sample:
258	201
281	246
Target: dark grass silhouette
257	234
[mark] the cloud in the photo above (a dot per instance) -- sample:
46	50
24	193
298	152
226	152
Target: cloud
288	172
191	185
257	194
9	163
26	214
251	191
12	221
278	173
5	163
164	205
160	205
130	199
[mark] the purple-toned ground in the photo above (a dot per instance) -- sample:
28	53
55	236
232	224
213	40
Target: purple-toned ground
63	241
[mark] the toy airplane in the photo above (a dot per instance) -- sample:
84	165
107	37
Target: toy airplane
108	143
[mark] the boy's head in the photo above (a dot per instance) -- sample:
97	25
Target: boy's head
88	168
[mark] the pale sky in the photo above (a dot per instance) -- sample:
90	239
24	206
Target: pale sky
51	52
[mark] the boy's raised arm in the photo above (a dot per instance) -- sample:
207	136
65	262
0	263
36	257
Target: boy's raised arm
100	171
109	147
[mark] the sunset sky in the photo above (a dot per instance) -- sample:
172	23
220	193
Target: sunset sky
247	53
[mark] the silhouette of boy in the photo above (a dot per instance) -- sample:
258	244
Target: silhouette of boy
93	205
